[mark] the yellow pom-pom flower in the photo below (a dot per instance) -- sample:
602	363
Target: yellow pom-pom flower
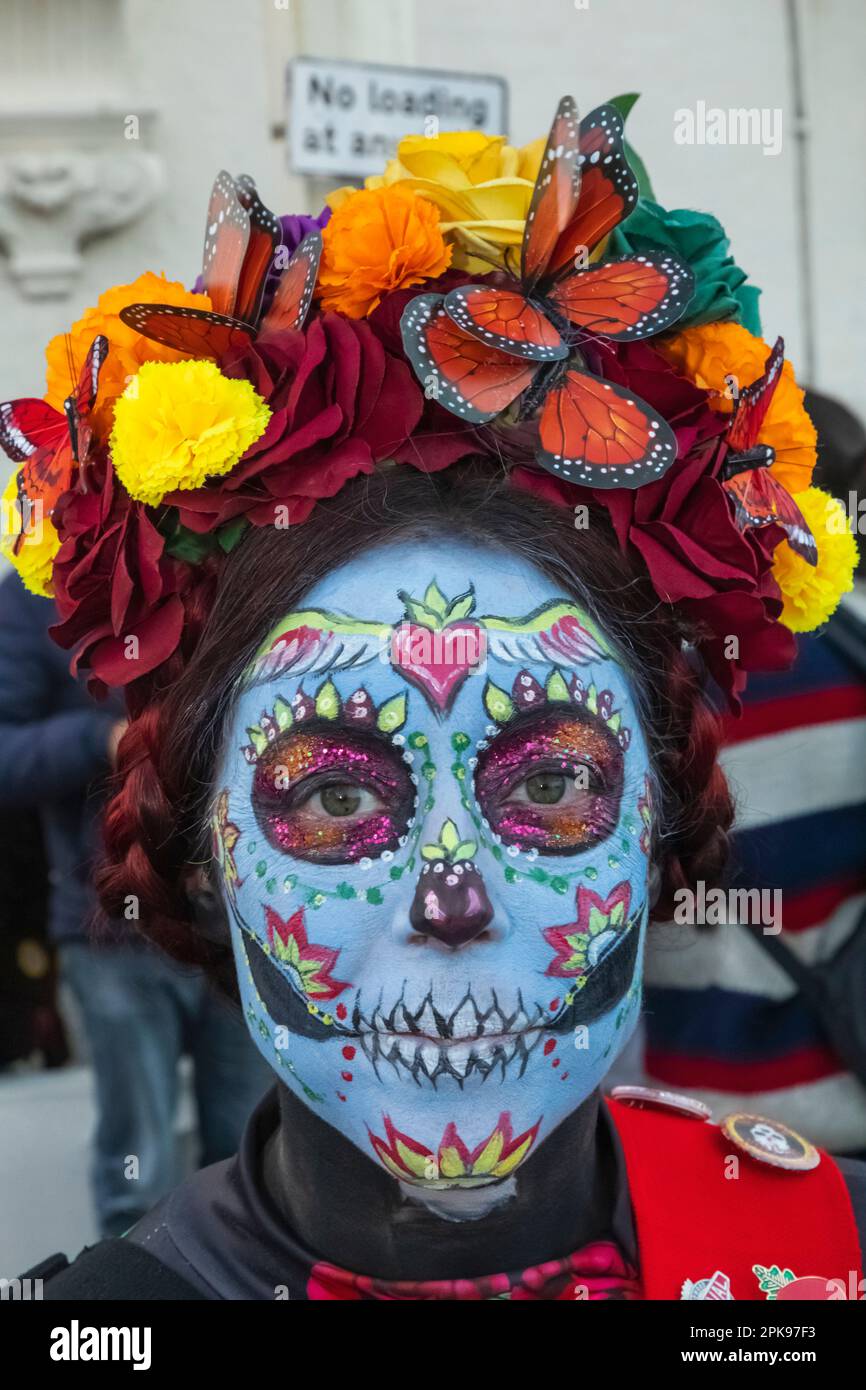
35	558
811	593
179	423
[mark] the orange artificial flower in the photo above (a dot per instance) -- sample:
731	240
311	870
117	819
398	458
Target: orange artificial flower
379	240
709	354
128	350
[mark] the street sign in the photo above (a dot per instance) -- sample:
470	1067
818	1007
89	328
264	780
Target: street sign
346	118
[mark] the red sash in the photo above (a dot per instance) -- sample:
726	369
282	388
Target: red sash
693	1221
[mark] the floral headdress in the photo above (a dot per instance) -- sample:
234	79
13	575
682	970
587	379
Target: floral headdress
534	305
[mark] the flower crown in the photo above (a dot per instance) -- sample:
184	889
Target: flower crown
535	305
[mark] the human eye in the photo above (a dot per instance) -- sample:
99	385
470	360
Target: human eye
554	786
331	798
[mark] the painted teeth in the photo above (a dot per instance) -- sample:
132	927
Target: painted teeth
494	1023
458	1057
426	1020
430	1058
464	1023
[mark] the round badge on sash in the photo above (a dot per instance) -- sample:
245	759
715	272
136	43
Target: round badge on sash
646	1097
769	1141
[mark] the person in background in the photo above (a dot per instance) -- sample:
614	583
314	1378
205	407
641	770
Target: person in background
730	1016
140	1011
31	1031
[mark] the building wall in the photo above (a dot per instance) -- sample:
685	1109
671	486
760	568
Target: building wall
205	78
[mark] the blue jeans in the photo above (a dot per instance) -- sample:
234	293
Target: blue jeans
141	1014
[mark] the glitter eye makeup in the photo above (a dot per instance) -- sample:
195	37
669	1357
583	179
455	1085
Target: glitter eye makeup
553	784
331	797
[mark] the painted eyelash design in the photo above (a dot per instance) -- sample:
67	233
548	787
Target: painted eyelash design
357	710
527	694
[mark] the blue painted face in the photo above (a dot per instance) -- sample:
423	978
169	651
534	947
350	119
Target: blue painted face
432	821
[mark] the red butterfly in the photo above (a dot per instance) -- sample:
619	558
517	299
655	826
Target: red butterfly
480	346
51	444
760	499
242	242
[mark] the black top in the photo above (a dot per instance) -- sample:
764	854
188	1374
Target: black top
219	1235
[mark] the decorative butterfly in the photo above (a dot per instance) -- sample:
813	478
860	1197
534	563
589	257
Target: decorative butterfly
242	240
480	346
51	444
760	499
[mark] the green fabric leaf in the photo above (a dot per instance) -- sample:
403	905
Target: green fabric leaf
229	535
624	105
187	545
467	849
700	240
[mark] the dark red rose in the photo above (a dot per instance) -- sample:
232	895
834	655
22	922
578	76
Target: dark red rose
341	403
682	529
113	582
440	438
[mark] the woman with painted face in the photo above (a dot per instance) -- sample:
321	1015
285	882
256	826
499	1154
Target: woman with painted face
420	668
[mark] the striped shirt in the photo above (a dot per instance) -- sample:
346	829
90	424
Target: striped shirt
724	1021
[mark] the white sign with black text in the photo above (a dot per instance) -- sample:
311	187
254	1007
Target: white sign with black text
347	118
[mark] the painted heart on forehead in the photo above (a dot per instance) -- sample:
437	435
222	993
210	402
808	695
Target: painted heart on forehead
430	823
436	644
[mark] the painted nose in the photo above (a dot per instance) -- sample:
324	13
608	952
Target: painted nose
451	903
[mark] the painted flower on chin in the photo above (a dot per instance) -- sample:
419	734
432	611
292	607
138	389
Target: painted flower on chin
310	965
225	837
453	1164
580	945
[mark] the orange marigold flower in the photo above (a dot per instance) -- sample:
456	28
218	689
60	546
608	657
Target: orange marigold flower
127	349
378	240
709	354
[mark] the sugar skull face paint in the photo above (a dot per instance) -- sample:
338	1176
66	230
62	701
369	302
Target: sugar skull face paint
429	820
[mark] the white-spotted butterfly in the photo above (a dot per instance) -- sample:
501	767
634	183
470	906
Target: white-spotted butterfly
480	346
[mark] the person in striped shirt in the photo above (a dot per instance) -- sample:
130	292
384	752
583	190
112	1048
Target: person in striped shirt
724	1020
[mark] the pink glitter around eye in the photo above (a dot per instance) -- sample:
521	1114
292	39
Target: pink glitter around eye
560	744
296	765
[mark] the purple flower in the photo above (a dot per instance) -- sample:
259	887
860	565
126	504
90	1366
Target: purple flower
294	227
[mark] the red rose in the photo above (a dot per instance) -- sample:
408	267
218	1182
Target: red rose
113	582
440	438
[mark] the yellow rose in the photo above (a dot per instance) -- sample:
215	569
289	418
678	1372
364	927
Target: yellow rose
481	185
